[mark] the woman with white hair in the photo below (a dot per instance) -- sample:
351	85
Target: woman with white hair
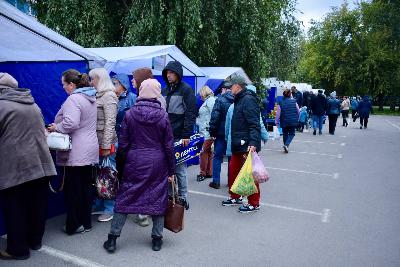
203	121
107	107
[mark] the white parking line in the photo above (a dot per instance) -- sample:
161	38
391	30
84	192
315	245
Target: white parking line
66	257
69	258
334	176
319	142
339	156
323	215
394	125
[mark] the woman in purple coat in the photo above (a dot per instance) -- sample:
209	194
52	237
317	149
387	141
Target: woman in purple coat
146	162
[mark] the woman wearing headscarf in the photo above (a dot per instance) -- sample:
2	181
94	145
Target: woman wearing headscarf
146	161
107	106
77	118
25	166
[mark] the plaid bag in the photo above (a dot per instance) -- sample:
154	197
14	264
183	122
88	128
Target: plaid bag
107	180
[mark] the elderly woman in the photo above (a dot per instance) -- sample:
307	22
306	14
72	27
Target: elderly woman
287	117
107	106
203	122
77	117
139	76
24	166
146	161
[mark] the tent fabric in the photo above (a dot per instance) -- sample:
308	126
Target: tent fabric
126	59
223	73
23	38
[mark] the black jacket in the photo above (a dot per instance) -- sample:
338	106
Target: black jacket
245	125
318	105
181	103
218	114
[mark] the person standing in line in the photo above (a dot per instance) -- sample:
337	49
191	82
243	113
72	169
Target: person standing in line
345	107
287	117
217	131
126	99
364	109
203	122
318	107
77	117
146	162
333	110
107	108
246	137
141	74
182	113
23	191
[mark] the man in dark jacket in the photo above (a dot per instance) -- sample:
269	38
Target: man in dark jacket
318	107
298	96
246	136
181	108
217	130
364	109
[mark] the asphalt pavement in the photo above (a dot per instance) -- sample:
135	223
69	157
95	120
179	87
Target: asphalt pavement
331	201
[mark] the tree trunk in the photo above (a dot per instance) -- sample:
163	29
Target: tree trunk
380	102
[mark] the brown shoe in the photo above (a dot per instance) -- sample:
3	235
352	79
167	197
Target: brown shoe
4	255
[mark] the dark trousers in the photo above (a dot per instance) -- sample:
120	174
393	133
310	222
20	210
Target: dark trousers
345	115
332	122
288	134
78	198
363	121
25	212
353	113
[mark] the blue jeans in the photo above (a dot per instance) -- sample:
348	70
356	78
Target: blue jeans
105	205
181	177
288	134
218	158
318	120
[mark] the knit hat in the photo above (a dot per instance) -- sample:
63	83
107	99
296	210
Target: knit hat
333	94
142	74
123	80
6	80
150	88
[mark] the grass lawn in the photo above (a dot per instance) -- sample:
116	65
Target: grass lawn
386	111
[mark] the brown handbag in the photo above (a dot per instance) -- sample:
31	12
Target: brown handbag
174	217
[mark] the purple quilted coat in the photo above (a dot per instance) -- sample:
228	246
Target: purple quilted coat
146	149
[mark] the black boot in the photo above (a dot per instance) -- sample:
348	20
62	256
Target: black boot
156	243
111	244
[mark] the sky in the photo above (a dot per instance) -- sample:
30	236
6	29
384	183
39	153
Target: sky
316	9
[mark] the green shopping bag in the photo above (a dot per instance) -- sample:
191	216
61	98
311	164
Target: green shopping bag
244	183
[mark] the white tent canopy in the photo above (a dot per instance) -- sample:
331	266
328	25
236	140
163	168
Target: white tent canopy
225	72
126	59
25	39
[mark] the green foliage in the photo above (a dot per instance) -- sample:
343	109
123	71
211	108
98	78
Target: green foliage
355	51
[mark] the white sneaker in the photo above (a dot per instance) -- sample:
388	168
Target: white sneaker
105	217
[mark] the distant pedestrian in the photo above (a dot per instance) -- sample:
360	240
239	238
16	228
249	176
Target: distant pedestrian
364	109
333	110
246	136
217	131
318	107
303	117
203	122
287	117
345	107
146	162
25	167
354	107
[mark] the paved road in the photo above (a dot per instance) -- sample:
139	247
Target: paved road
332	201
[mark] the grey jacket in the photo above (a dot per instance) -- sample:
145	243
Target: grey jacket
107	107
203	120
24	153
